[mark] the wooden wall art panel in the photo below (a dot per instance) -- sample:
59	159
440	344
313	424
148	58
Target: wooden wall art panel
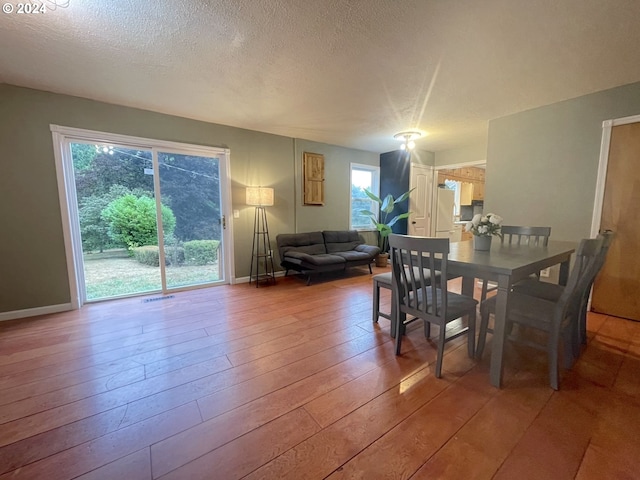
313	179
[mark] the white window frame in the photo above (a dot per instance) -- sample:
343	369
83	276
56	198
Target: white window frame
375	187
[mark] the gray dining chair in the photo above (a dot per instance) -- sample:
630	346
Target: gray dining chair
553	291
558	318
384	280
518	235
381	280
428	299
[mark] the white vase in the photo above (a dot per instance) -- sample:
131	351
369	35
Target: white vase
481	242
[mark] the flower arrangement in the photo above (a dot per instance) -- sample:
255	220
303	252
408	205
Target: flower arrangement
485	226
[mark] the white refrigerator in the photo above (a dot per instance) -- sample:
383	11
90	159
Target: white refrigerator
445	226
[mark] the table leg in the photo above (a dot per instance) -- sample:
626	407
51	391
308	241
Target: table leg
467	286
499	330
564	272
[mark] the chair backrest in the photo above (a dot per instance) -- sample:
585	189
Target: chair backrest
419	268
582	274
518	235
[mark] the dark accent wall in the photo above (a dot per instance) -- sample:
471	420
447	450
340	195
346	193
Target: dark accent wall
395	168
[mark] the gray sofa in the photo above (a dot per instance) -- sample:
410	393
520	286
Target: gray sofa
327	251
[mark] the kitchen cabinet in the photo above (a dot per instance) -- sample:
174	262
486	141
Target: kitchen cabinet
466	193
463	234
467	176
457	233
478	191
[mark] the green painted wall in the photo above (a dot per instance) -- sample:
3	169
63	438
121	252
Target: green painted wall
457	156
542	164
32	258
334	214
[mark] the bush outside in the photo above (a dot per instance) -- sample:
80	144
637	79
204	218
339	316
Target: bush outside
150	255
132	221
201	252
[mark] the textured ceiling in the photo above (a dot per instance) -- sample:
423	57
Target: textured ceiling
344	72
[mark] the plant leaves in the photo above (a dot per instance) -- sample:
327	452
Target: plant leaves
372	196
388	204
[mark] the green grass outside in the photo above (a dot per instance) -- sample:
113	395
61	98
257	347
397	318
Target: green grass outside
114	273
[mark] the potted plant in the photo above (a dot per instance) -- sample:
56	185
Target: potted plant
383	224
483	229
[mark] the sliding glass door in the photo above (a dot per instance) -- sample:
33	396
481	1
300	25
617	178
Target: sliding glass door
143	218
193	241
116	213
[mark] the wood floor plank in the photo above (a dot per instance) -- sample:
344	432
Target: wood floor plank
61	397
488	437
113	374
321	454
401	451
333	405
295	381
614	450
104	354
88	456
248	452
45	444
136	466
42	421
228	425
626	381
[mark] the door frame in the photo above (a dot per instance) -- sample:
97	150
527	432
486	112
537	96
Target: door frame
428	195
68	201
598	203
434	197
603	162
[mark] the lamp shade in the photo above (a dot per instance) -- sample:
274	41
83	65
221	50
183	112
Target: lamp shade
261	196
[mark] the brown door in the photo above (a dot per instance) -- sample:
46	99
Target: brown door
617	287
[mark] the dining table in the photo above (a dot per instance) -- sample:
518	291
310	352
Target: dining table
505	264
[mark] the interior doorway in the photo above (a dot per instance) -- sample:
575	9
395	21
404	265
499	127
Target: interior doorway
420	182
144	216
615	290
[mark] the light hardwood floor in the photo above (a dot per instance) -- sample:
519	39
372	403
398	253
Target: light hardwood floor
296	382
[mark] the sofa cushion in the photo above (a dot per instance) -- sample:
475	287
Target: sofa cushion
320	260
354	256
370	250
341	240
311	243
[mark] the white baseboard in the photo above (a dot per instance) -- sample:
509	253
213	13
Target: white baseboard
278	273
32	312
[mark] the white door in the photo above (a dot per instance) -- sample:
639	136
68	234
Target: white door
421	178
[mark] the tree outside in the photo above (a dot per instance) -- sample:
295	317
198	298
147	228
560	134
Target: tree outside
117	209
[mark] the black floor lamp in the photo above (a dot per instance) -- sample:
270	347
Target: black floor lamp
261	253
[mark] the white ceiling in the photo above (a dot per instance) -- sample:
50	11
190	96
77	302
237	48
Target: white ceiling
344	72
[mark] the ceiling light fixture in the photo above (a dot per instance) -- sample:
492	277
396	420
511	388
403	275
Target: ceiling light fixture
407	138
